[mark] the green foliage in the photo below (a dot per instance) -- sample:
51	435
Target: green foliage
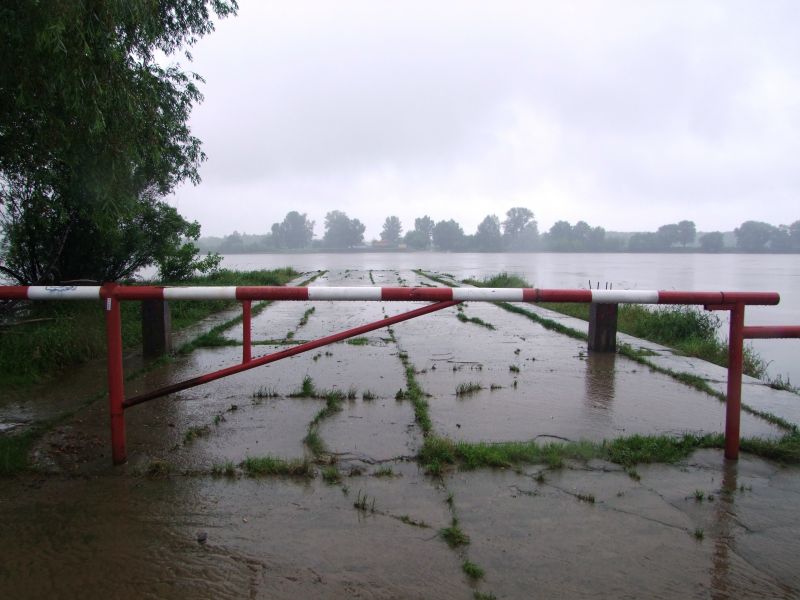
46	337
392	228
713	241
752	236
296	231
448	235
520	231
94	132
341	231
488	237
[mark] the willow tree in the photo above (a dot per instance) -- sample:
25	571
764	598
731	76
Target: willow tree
94	133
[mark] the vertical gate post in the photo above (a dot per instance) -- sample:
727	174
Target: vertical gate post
603	327
116	387
733	405
156	328
246	328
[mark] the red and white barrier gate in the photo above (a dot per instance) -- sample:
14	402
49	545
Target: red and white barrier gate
112	294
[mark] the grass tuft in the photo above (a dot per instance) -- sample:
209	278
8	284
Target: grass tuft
454	536
472	570
331	474
465	389
195	432
226	469
307	389
270	465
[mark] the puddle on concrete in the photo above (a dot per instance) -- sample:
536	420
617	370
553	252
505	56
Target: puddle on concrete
635	539
561	390
123	537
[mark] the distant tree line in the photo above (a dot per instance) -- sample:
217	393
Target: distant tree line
518	232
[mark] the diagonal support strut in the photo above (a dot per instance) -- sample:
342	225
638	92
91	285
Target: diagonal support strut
269	358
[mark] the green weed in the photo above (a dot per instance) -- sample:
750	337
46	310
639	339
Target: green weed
304	319
363	503
226	469
270	465
314	442
453	535
476	320
265	392
359	341
501	280
472	570
467	388
331	474
195	432
306	390
158	467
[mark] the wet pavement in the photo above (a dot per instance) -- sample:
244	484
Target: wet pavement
170	524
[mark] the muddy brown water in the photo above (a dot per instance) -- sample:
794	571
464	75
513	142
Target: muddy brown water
80	528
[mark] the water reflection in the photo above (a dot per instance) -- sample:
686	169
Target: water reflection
724	517
600	386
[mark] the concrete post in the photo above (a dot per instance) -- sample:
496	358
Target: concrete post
156	328
603	327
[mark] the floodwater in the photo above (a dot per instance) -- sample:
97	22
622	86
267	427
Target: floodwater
80	528
691	272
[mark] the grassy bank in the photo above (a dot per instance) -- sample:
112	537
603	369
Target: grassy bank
47	337
690	331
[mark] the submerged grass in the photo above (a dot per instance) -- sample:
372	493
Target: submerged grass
256	466
465	389
476	320
472	570
14	451
437	452
453	535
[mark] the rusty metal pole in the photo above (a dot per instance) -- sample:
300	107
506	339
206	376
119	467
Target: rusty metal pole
116	386
733	406
247	315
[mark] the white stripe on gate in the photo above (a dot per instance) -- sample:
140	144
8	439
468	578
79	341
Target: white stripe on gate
63	292
625	296
344	293
488	294
227	292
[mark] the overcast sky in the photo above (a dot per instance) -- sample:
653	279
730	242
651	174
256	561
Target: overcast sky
627	115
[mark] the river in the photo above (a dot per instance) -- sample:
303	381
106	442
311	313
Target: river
691	272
